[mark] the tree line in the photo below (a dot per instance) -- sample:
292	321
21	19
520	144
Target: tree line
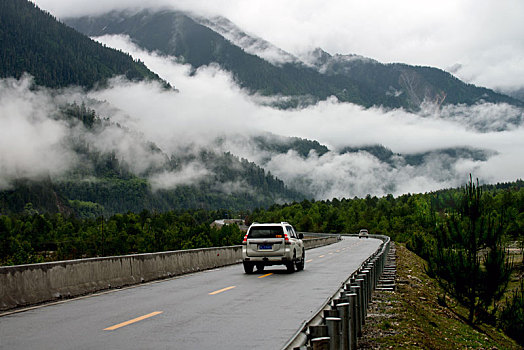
31	237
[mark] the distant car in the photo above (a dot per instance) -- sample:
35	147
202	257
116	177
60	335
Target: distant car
363	233
273	244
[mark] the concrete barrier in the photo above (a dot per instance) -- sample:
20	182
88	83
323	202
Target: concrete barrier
311	243
24	285
30	284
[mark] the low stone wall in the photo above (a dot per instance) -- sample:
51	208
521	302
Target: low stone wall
311	243
30	284
24	285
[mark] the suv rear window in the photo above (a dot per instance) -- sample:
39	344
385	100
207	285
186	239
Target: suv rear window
266	232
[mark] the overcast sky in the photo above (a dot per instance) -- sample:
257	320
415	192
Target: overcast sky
481	42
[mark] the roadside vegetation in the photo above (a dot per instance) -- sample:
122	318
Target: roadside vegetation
32	237
414	317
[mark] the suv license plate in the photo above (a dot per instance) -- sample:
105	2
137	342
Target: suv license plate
265	246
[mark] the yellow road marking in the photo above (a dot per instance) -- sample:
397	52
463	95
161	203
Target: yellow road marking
267	274
221	290
310	260
321	256
120	325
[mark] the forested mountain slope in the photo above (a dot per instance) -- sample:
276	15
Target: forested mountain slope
176	34
32	41
401	82
104	183
350	78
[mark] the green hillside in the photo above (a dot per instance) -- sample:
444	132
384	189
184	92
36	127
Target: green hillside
176	34
103	183
350	78
32	41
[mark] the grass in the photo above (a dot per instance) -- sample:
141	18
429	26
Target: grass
413	318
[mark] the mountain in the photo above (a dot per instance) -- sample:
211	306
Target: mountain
409	85
104	183
260	67
452	155
112	168
177	34
518	94
249	43
32	41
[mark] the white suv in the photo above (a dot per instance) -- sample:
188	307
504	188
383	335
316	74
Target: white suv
273	244
363	233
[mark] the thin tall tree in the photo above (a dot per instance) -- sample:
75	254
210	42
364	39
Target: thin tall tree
469	260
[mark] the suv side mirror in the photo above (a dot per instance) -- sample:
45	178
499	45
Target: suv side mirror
300	236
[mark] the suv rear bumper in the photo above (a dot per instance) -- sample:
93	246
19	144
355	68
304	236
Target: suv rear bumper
267	260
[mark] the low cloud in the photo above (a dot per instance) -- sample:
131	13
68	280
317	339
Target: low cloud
31	143
190	174
482	117
210	106
234	187
210	111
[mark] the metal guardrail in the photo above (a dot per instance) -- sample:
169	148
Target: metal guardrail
338	322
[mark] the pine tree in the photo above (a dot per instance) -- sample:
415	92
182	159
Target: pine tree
469	260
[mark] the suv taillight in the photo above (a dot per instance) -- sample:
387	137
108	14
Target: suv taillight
245	239
286	239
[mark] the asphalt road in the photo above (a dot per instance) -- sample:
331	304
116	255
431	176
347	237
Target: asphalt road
216	309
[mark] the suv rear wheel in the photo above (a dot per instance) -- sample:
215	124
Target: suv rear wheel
291	264
248	267
302	262
290	267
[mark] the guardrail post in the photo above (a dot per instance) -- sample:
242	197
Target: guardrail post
320	331
352	320
333	325
330	313
369	287
356	289
343	310
378	264
361	304
362	278
373	265
365	276
369	269
321	343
